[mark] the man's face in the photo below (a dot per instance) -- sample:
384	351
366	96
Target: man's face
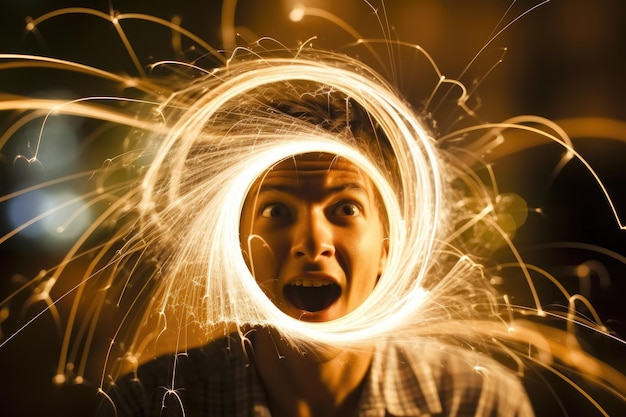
313	236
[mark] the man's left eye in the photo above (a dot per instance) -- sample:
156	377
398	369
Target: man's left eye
346	209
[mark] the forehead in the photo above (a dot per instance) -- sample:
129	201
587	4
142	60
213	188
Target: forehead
314	172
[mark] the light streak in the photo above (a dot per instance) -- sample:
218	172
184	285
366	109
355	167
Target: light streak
416	159
202	148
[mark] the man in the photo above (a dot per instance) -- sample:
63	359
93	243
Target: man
316	246
313	234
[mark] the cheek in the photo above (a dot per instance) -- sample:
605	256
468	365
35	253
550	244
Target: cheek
260	259
267	253
366	255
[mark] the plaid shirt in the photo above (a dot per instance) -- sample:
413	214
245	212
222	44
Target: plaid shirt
220	380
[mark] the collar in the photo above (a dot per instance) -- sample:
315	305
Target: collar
399	384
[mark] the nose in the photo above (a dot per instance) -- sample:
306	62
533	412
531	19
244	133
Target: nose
312	236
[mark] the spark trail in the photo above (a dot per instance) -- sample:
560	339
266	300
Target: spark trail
172	260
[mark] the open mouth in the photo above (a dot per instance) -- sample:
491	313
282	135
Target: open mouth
312	295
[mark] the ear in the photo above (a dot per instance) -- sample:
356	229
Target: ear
383	256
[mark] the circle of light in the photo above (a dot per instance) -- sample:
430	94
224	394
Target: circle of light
413	217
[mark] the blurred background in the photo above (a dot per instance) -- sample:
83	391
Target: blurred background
564	60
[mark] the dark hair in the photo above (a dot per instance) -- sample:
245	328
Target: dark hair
331	110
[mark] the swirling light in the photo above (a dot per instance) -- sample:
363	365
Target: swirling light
413	221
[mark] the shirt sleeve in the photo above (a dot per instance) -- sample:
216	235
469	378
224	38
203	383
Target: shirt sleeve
432	378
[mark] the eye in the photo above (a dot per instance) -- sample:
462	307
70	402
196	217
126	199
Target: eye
275	210
346	209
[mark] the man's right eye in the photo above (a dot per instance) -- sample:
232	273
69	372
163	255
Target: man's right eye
275	211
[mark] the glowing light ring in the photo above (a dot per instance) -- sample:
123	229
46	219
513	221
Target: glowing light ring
235	297
269	313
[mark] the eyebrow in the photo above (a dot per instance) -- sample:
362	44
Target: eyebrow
331	190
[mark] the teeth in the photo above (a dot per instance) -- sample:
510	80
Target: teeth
311	282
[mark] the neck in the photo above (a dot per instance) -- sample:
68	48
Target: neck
310	384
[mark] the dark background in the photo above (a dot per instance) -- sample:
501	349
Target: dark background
564	60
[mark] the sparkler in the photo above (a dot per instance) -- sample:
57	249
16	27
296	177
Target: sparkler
172	261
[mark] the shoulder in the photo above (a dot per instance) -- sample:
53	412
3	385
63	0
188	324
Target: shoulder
438	378
198	364
183	378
